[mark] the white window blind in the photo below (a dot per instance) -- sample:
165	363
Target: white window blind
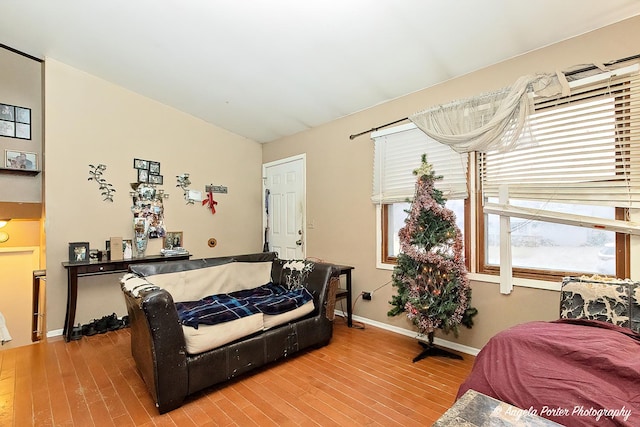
398	152
584	148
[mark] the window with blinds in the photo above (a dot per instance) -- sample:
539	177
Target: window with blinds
398	153
575	170
582	149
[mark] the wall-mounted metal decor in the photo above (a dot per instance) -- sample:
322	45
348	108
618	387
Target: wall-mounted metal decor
15	122
106	189
184	183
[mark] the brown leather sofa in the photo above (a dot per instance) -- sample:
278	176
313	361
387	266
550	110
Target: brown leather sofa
158	343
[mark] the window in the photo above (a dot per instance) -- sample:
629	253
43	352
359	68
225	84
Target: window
554	248
565	192
576	165
393	217
398	152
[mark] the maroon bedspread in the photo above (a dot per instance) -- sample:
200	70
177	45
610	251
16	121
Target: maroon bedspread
574	372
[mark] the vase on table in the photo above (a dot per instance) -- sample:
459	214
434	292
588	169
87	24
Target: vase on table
140	237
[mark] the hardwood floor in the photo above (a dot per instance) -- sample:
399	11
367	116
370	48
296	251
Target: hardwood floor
363	377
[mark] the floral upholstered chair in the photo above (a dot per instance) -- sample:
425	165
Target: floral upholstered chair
598	298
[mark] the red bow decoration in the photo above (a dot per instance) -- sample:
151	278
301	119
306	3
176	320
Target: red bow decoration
211	204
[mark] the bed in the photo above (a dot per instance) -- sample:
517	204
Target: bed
580	370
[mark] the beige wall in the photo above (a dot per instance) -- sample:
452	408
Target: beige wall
339	173
21	85
20	199
91	121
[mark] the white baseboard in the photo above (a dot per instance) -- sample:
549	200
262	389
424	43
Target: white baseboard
55	333
413	334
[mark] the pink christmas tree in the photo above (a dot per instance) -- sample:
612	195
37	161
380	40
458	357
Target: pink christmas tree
431	276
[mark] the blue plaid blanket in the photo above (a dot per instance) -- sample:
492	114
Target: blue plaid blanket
268	299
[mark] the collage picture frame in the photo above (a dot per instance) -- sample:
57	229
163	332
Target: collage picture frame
148	171
15	121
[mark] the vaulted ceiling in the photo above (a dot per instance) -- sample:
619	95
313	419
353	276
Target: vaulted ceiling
272	68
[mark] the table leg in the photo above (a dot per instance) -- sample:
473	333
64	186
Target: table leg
349	304
72	295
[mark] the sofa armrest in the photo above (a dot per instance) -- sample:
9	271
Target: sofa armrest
158	346
317	283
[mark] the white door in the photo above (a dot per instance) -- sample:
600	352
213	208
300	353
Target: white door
284	189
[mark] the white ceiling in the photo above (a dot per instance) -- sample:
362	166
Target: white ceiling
271	68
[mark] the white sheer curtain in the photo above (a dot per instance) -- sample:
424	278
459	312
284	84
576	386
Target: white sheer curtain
493	121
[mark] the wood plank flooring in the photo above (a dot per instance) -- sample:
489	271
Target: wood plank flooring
363	377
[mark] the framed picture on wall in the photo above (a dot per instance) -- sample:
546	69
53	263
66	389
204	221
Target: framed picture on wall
154	168
140	164
23	131
15	122
143	175
23	115
155	179
20	160
7	112
7	128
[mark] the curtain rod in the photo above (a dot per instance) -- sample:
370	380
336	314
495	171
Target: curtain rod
377	128
586	68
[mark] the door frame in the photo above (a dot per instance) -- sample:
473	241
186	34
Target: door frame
298	157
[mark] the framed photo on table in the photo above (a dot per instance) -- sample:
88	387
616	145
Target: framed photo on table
172	239
79	252
20	160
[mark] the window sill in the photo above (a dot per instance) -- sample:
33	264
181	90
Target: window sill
489	278
525	283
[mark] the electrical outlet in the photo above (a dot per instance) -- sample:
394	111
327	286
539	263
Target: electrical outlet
366	296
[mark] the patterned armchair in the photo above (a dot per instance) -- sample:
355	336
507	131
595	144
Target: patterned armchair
610	300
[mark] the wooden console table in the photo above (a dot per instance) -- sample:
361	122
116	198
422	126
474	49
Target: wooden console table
75	270
346	293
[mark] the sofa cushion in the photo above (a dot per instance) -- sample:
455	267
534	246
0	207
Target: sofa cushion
208	337
268	299
614	301
193	285
272	320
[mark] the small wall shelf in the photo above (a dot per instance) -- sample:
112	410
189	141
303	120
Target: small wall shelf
11	171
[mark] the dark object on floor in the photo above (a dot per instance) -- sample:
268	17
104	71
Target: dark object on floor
89	329
113	323
102	325
76	333
430	349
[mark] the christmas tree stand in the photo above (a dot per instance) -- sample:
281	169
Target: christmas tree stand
430	349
